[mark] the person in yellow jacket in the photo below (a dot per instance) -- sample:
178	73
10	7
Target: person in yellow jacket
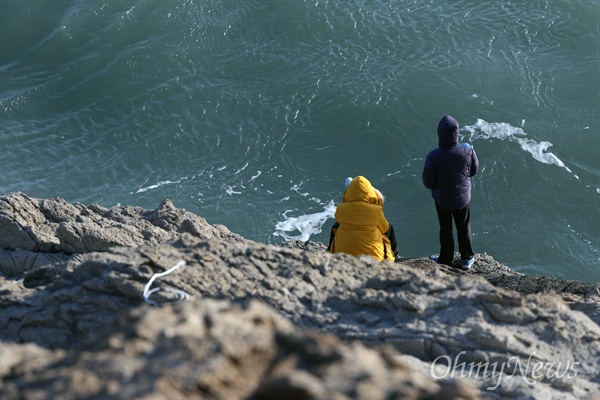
361	227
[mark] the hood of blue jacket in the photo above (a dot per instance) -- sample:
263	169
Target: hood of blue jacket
447	132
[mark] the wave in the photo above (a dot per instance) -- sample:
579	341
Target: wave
306	225
503	131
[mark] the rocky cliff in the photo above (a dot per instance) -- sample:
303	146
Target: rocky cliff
127	303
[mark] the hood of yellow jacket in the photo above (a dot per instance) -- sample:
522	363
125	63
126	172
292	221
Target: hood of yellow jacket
360	189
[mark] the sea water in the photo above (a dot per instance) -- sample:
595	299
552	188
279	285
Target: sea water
251	114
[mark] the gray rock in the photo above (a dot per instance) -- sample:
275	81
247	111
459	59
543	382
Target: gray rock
210	349
53	226
266	321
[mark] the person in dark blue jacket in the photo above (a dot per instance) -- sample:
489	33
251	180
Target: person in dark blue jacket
447	172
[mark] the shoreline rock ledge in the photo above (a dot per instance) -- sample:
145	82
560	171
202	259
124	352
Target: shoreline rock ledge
129	303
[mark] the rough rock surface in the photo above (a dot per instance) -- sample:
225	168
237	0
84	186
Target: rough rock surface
258	321
34	232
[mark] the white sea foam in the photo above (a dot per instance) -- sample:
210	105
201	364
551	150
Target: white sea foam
241	169
504	131
305	225
230	190
258	173
157	185
296	188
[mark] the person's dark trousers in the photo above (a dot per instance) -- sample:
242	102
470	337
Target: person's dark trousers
462	219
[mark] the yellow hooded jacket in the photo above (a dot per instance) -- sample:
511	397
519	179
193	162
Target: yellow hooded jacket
362	223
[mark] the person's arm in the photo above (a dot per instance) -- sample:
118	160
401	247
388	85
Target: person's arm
383	223
429	176
474	162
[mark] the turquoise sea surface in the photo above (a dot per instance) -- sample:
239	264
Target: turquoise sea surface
251	114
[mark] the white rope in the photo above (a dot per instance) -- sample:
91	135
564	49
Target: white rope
182	295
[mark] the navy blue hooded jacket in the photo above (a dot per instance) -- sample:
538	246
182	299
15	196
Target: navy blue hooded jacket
449	168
